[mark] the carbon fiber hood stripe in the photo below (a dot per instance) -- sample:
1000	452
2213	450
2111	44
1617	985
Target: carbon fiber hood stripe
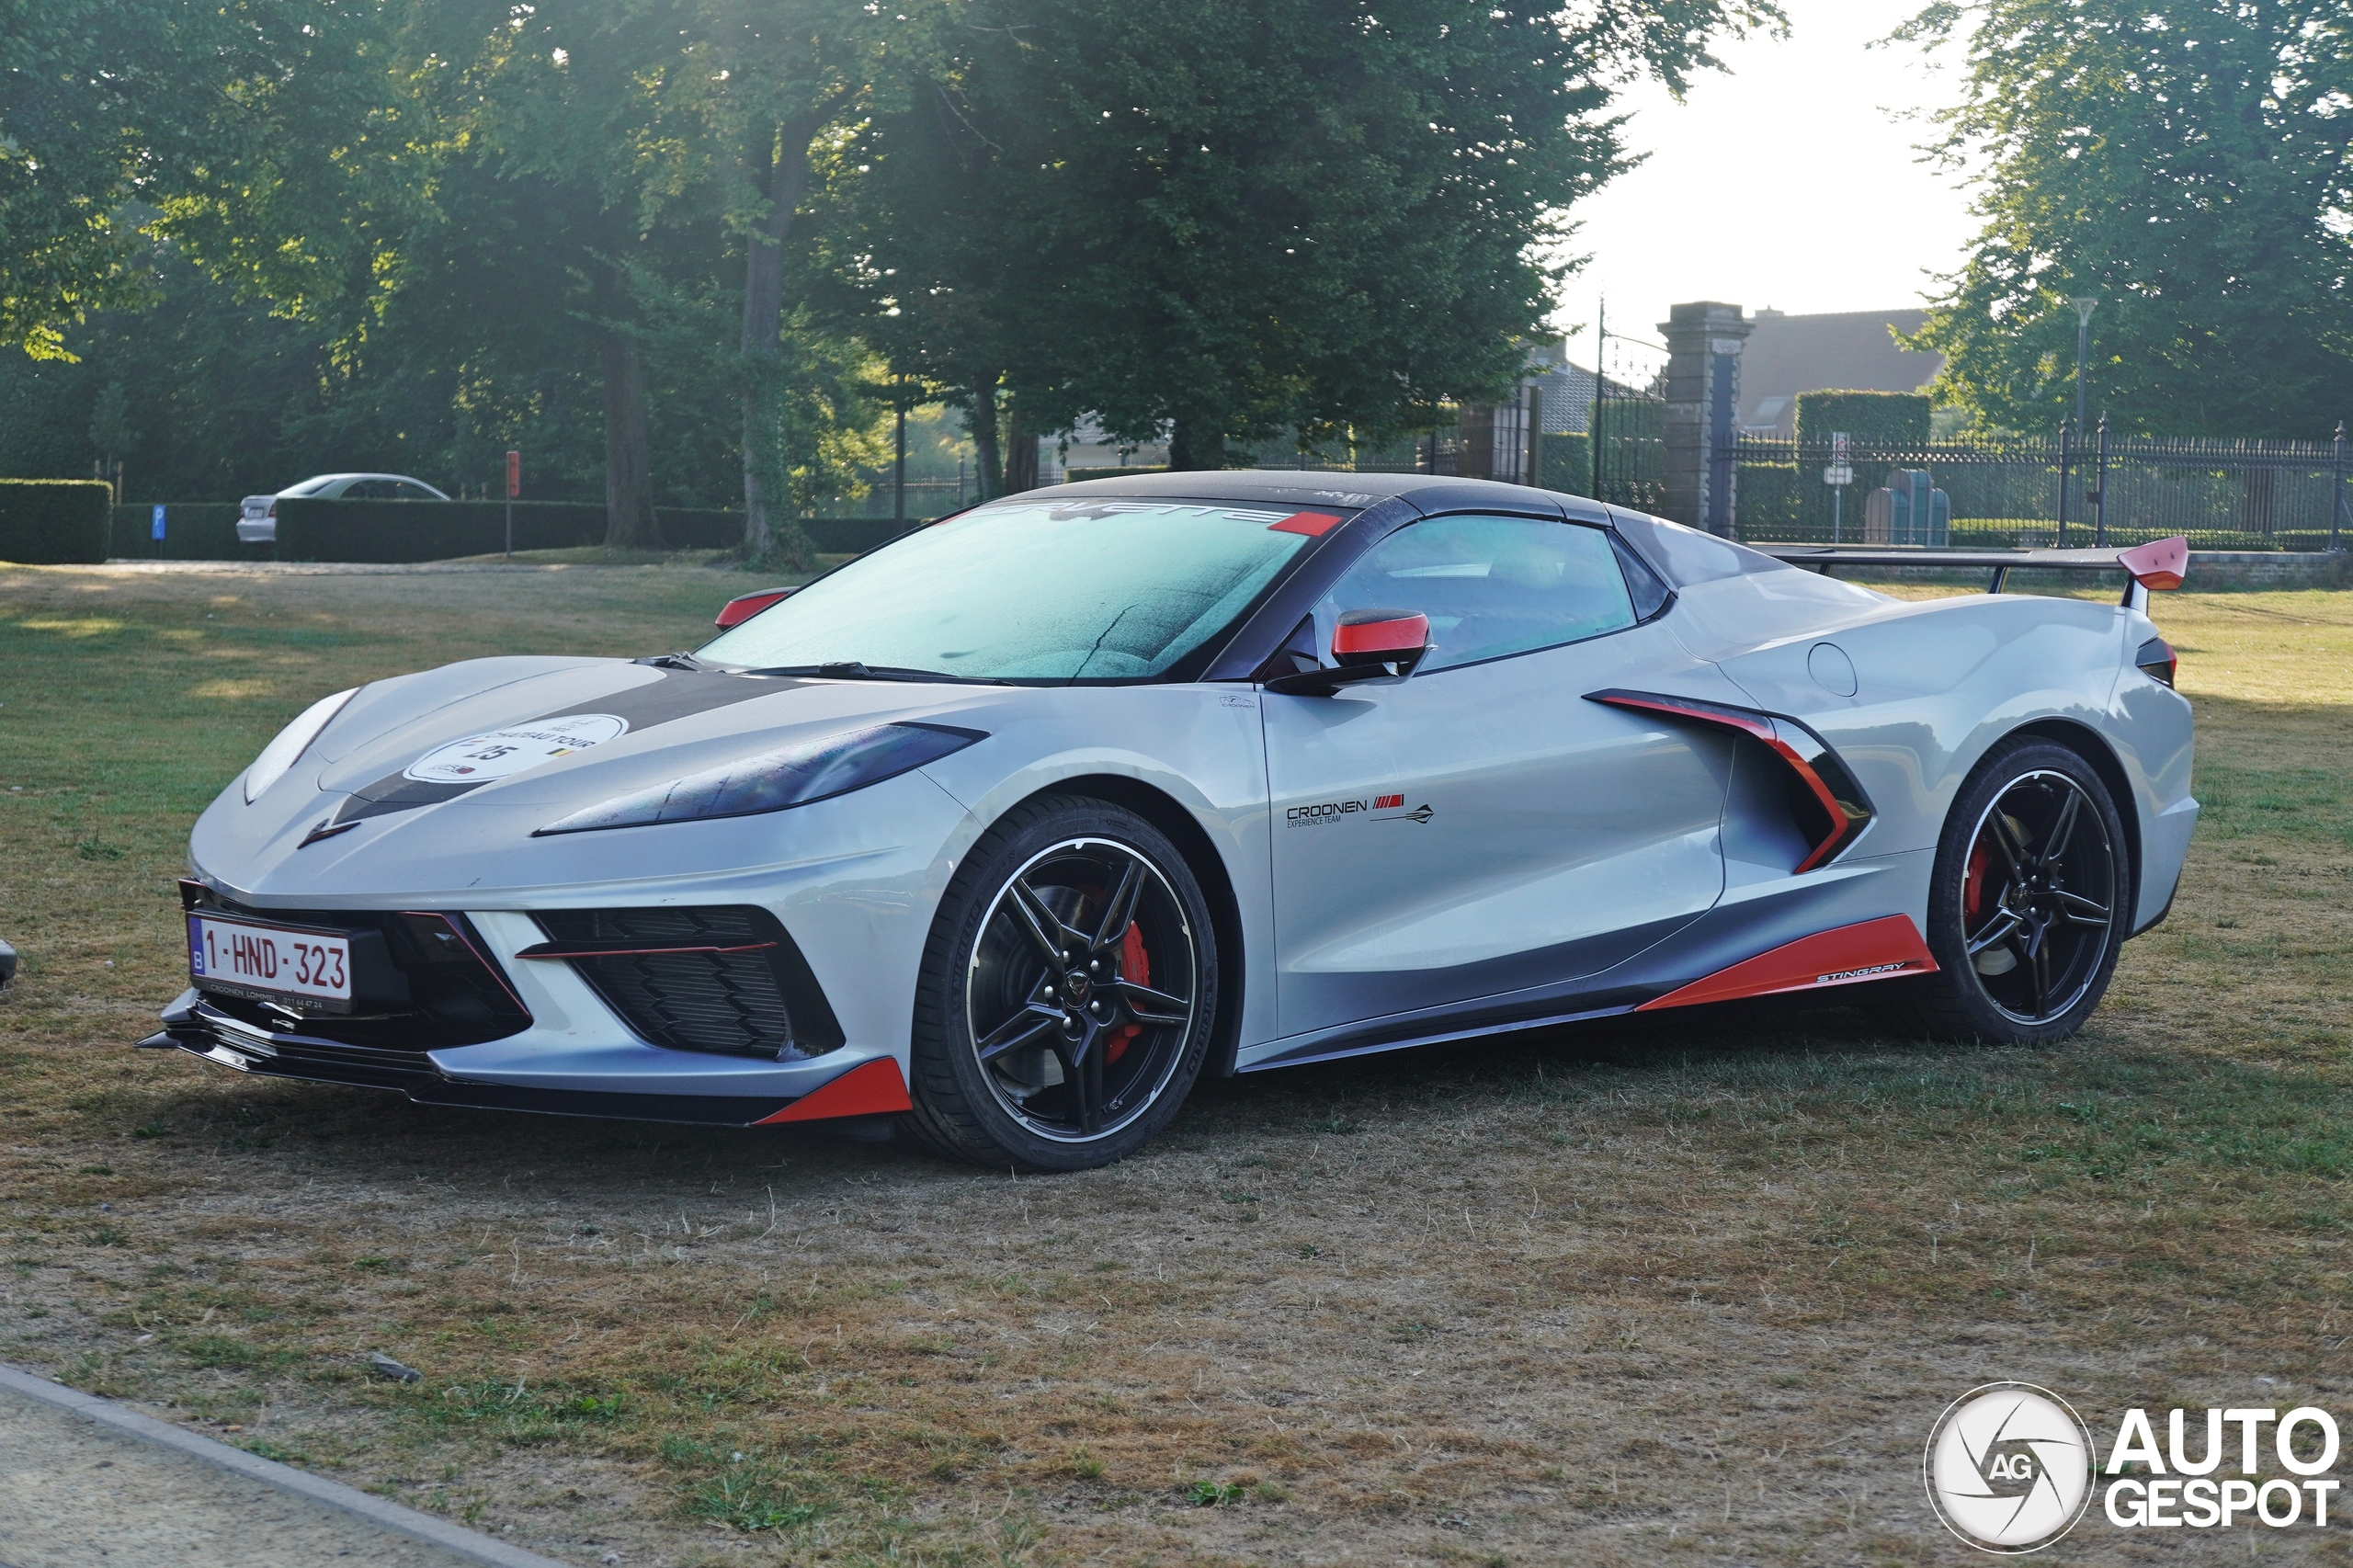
679	694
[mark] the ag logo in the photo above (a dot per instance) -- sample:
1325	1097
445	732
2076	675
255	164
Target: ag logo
2009	1468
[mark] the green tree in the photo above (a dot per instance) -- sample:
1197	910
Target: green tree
2190	162
658	145
255	132
1232	221
771	87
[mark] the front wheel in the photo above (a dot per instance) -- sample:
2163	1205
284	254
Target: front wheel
2029	902
1068	991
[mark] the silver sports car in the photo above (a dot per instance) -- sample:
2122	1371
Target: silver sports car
1014	827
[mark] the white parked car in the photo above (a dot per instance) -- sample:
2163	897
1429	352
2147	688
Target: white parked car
257	515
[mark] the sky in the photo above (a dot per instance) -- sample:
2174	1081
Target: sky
1747	175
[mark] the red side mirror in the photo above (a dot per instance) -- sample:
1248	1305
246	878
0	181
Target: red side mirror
2160	564
738	611
1380	636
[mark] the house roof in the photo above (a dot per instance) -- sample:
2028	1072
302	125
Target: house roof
1567	391
1842	351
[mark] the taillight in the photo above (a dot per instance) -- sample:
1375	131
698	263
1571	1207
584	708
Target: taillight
273	506
2156	660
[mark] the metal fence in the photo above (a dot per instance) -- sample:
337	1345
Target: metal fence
924	498
2110	490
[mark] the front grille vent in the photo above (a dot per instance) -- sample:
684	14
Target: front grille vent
721	978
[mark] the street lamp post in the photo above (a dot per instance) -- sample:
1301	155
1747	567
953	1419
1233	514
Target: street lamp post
2099	491
2338	497
2085	305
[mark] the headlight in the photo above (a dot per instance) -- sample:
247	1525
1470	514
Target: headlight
777	781
291	742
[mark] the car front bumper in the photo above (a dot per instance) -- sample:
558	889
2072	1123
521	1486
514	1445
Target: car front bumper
630	1080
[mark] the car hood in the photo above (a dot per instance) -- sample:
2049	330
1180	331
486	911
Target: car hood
433	783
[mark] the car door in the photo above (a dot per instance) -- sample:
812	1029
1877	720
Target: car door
1479	828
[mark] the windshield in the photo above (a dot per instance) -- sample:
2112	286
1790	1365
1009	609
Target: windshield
1030	590
312	485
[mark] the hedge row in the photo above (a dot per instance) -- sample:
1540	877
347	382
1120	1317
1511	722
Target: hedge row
47	522
193	530
310	529
74	521
1874	419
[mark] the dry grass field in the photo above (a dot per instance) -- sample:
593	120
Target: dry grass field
1691	1291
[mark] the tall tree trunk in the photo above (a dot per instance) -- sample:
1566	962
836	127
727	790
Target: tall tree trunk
1020	451
629	479
990	480
1194	443
783	166
629	450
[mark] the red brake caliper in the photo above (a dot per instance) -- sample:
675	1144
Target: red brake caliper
1133	966
1973	887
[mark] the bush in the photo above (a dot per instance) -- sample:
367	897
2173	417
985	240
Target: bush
1567	462
193	530
1772	500
52	522
1874	419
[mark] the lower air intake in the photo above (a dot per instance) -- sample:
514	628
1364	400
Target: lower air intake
723	978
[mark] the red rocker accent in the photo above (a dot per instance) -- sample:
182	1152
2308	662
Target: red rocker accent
1876	949
870	1088
2160	564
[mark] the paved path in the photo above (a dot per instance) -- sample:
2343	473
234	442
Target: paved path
85	1483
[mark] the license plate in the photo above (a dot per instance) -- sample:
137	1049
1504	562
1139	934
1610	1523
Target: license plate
276	963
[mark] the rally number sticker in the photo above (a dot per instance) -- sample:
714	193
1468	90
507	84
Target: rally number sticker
502	754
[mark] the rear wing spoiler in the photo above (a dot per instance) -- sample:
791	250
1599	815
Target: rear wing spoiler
2159	565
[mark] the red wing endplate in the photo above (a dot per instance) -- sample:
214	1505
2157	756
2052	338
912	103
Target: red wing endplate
2160	564
1875	950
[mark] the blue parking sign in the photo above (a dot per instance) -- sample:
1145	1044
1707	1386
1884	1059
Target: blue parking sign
159	521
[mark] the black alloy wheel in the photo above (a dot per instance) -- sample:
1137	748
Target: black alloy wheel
1068	992
2029	902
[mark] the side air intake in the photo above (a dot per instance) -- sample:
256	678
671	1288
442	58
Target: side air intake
723	978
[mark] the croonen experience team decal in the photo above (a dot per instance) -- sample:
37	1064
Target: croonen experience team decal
1376	808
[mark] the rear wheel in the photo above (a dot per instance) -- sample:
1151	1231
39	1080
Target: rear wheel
2029	902
1068	991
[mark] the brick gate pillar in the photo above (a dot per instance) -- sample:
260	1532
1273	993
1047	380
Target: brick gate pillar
1703	343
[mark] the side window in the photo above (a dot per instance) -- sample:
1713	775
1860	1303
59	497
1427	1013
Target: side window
365	490
409	490
1490	585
